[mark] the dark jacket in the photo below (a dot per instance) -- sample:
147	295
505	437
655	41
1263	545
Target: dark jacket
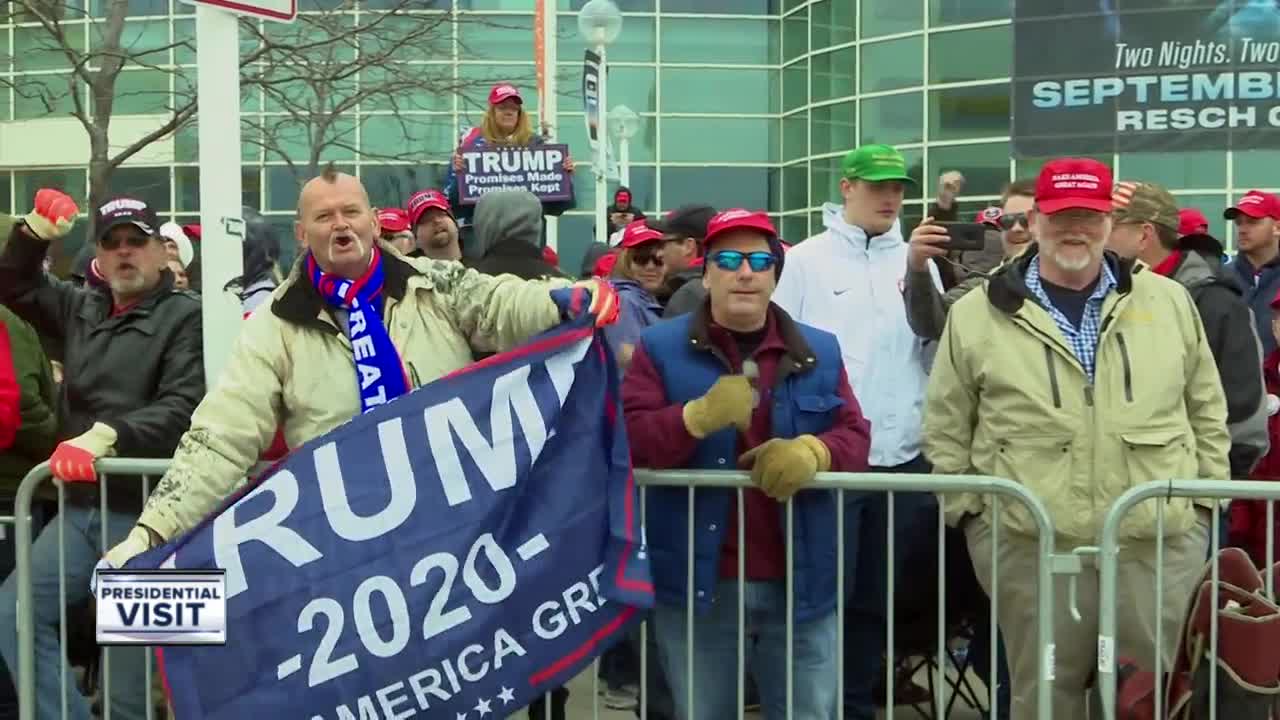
676	362
1229	328
140	372
508	237
675	299
38	422
1260	288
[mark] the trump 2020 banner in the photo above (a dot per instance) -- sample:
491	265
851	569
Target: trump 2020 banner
1102	76
536	168
453	554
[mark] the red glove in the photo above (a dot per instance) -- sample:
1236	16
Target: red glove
54	214
73	459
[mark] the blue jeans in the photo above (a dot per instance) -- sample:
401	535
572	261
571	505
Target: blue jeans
715	656
129	688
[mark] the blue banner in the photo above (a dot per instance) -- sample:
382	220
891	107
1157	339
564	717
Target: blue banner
453	554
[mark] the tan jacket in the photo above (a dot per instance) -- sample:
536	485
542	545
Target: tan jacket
292	367
1007	397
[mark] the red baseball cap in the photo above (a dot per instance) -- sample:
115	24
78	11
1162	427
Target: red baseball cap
1192	222
1255	204
990	216
504	91
424	200
1069	183
393	220
637	233
605	264
739	219
550	256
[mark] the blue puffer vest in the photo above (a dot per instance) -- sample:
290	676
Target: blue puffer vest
805	402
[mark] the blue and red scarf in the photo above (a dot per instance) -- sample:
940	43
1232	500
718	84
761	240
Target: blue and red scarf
379	372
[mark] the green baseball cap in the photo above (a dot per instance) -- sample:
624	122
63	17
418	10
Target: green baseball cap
875	163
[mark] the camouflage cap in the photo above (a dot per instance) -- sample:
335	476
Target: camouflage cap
1143	202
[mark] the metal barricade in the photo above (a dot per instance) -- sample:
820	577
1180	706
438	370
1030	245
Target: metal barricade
882	486
871	483
26	677
1108	568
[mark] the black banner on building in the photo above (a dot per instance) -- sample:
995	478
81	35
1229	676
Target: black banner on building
1102	76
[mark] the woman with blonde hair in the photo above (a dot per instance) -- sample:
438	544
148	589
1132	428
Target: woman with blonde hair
505	123
638	274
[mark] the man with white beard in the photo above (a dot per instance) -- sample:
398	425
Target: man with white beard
1080	375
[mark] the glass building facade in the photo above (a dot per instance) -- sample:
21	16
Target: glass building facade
743	103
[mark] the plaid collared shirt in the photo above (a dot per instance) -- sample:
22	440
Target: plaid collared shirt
1083	340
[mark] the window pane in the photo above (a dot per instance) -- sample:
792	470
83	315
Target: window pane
384	38
1256	168
719	139
405	137
886	17
40	96
301	97
985	168
795	187
893	64
478	78
391	185
151	185
136	7
1176	170
1029	166
721	187
915	170
383	88
955	12
835	74
35	49
735	7
714	90
186	143
970	54
795	87
634	87
285	138
312	37
70	181
730	41
833	23
794	228
1212	207
795	35
6	185
576	233
494	37
141	40
626	6
795	136
835	127
281	188
142	91
251	189
635	44
893	119
825	183
969	112
573	132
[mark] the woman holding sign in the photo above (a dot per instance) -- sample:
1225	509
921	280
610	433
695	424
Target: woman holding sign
504	123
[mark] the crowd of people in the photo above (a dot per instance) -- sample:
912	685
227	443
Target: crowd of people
1099	341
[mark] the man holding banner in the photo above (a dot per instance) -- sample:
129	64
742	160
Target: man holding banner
348	308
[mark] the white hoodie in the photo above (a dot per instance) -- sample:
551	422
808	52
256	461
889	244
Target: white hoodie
841	282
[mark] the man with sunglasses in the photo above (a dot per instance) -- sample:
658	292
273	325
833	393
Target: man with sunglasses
1079	375
134	373
926	305
738	383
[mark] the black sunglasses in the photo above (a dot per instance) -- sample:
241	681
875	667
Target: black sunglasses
731	260
647	257
110	242
1009	220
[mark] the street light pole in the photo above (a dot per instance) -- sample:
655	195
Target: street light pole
600	22
624	123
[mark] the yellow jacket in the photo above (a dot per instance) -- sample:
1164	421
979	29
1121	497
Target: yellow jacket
292	367
1007	397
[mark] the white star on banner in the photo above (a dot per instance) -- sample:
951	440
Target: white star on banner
462	716
482	707
506	696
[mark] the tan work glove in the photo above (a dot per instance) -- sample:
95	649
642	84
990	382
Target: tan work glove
781	467
728	402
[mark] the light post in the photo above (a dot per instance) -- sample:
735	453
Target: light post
600	22
624	123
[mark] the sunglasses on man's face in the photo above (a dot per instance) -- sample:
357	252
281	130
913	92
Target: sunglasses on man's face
647	257
112	242
1009	220
731	260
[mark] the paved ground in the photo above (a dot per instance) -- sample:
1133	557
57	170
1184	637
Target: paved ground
581	707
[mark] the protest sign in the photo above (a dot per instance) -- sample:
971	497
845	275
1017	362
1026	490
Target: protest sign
536	168
1154	75
453	554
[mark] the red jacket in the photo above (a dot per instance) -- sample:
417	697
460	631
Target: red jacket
10	393
1248	524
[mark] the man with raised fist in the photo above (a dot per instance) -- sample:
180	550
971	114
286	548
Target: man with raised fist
133	374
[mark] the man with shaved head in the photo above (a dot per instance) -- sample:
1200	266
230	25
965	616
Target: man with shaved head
353	327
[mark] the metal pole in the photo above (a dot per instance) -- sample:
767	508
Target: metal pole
218	87
550	105
624	160
602	153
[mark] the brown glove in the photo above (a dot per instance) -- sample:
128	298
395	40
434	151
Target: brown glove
728	402
781	467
